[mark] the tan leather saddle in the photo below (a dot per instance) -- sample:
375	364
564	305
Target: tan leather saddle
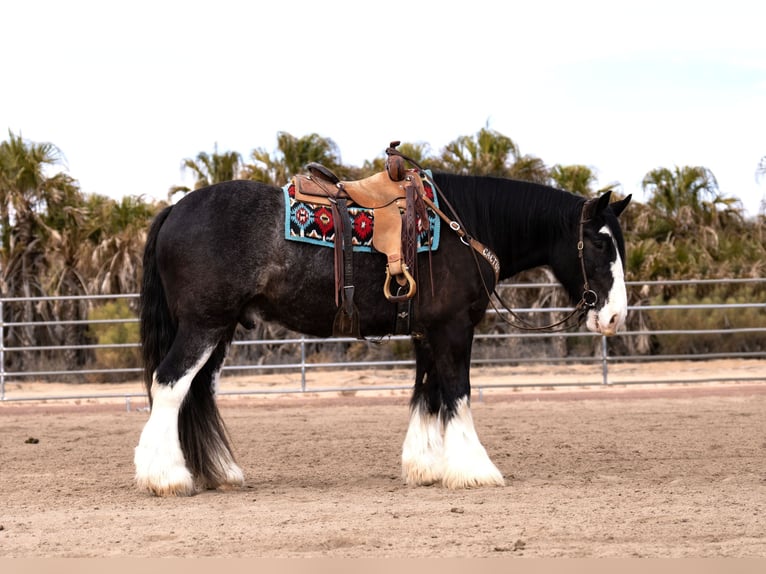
399	213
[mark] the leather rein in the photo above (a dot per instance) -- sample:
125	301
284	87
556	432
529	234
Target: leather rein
588	300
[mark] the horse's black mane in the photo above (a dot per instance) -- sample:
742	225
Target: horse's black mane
490	203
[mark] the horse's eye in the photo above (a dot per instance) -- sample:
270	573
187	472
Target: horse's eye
599	244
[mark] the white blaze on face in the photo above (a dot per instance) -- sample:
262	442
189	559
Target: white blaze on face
611	317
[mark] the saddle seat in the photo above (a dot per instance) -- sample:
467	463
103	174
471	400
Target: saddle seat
372	192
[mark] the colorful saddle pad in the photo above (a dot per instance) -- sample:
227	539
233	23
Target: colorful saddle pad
312	223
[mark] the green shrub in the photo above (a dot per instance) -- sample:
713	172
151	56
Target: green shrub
114	334
709	319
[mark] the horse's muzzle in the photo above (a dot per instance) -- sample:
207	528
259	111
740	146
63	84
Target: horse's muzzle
605	321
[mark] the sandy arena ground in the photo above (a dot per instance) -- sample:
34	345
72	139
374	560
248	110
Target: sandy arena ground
623	471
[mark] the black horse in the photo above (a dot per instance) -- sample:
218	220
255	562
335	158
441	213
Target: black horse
219	258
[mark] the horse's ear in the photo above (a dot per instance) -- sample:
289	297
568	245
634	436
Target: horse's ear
619	206
596	205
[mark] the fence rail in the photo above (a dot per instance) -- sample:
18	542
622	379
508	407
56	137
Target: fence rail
601	356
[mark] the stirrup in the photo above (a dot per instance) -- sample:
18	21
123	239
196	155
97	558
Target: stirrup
412	288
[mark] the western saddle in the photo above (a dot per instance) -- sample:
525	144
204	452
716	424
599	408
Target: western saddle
396	197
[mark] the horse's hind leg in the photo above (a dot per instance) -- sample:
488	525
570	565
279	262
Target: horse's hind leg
160	464
204	439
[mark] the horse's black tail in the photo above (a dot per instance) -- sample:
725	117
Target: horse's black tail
158	329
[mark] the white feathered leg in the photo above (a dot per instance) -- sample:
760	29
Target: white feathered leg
423	449
466	461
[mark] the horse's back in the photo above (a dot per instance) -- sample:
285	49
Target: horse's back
226	210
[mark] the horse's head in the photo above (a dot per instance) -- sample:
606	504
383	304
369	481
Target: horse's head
599	265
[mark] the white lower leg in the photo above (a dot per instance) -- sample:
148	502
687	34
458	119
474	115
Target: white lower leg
160	465
423	449
466	461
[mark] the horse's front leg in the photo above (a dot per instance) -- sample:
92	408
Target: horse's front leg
423	449
441	403
466	462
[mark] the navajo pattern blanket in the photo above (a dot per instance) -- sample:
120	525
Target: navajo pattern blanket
313	223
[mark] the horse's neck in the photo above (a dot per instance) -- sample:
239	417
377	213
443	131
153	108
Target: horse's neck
537	227
523	223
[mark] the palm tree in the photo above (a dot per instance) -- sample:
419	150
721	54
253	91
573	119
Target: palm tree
291	157
117	234
575	178
24	188
210	168
487	153
492	153
40	217
689	195
31	226
529	168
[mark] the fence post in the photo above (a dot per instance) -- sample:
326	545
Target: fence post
604	360
2	351
303	364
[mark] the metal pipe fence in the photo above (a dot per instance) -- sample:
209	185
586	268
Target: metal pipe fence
599	354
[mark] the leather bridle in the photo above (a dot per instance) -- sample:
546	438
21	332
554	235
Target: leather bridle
588	300
589	296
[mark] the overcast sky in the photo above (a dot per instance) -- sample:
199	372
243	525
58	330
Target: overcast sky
127	90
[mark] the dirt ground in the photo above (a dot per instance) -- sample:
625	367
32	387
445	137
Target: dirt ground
619	471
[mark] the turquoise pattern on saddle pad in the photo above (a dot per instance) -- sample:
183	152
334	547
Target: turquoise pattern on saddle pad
312	223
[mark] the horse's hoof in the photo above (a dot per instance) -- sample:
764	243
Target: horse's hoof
160	477
416	476
180	486
234	480
456	480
